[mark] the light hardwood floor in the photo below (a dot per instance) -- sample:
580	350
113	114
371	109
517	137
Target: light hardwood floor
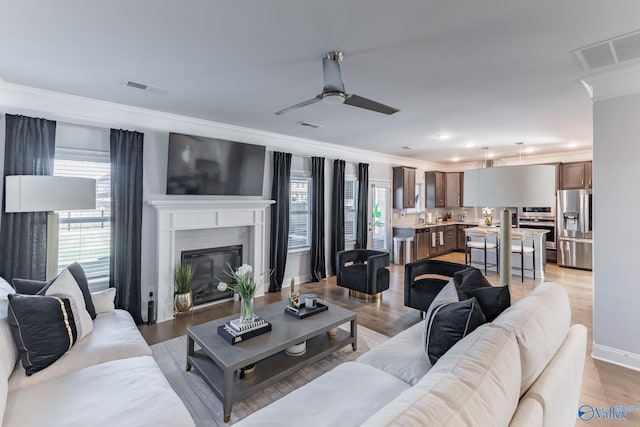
604	384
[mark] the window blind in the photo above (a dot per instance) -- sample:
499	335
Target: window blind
300	213
85	235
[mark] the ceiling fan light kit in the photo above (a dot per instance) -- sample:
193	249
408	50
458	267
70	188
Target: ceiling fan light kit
333	91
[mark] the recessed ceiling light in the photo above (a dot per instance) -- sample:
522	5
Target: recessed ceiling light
406	147
442	136
529	150
490	155
469	145
455	159
572	145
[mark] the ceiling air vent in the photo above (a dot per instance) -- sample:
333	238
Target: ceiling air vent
610	52
143	86
309	125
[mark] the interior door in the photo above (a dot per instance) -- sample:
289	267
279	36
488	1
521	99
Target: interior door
379	217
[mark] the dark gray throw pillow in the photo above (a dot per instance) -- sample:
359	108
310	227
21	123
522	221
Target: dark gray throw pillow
78	273
449	323
493	300
43	328
27	286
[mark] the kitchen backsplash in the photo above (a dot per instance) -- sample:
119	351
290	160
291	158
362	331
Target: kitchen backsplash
469	214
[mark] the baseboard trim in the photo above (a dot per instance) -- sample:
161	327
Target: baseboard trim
616	357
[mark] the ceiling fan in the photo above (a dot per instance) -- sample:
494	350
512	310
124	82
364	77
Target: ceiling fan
333	91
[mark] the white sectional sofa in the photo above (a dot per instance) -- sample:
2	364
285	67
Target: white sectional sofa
523	369
107	379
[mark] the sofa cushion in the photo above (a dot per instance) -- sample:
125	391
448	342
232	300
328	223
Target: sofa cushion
403	356
43	327
115	336
104	301
66	286
557	388
477	379
8	349
470	278
529	414
540	322
131	392
344	396
78	273
448	324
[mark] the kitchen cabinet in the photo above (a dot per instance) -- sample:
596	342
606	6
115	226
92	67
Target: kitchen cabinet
434	189
437	241
453	189
450	238
575	175
461	237
404	187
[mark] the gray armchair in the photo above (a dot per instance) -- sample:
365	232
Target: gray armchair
364	272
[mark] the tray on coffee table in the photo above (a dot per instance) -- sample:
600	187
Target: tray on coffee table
303	312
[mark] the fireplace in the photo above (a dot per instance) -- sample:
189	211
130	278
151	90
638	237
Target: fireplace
189	223
210	265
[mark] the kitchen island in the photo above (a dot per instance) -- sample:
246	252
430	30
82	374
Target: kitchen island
529	237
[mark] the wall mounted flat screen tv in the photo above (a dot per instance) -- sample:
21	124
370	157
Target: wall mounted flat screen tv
210	166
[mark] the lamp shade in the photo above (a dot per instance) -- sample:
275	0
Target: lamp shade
41	193
523	185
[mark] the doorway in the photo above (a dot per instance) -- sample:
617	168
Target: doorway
379	217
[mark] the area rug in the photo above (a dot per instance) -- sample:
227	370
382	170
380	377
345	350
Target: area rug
206	408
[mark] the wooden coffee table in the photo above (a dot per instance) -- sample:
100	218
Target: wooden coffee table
219	362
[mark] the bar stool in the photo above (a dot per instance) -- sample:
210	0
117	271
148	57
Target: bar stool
482	245
520	247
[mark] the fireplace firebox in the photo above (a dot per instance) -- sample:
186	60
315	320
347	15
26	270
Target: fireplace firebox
210	267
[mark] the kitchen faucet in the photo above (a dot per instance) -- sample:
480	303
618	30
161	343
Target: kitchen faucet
421	218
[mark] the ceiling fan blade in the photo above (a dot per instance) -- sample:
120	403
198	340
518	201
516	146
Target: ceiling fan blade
332	76
367	104
302	104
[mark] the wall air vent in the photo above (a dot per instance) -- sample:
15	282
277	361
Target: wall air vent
610	52
309	125
143	86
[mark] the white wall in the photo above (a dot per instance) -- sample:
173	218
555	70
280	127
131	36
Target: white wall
616	289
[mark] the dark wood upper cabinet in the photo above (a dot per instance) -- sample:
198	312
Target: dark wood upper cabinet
453	189
435	189
404	187
575	175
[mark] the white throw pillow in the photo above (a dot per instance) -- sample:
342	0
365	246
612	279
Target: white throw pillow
66	286
104	301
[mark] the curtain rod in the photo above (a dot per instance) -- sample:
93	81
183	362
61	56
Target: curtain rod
66	123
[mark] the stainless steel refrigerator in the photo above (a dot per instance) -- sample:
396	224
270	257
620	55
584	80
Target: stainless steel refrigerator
574	225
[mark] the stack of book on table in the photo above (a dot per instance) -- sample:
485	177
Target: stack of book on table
236	331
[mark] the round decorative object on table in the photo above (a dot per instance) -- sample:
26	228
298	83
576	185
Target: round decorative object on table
310	300
332	333
297	349
247	372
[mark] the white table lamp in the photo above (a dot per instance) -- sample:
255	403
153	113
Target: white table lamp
42	193
523	185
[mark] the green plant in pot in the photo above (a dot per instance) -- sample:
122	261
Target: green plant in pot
182	276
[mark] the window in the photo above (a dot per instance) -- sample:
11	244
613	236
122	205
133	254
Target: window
85	235
300	213
350	208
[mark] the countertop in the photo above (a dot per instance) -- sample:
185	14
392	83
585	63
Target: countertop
525	231
421	226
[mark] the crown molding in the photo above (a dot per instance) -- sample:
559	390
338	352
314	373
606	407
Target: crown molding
17	99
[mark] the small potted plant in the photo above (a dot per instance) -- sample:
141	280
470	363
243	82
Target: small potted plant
182	276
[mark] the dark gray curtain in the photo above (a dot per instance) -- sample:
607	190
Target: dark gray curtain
318	269
126	220
337	211
363	201
279	218
29	149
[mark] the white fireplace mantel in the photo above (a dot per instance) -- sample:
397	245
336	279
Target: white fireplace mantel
178	214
